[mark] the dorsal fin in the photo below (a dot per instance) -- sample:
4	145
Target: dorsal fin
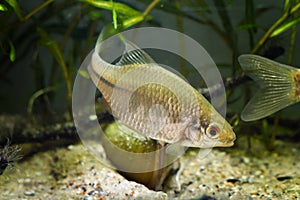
134	56
107	31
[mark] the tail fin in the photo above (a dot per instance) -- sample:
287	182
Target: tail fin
277	86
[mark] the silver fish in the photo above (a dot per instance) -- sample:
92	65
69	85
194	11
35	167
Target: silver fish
280	86
157	103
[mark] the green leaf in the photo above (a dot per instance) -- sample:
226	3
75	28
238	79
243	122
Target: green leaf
286	6
3	7
203	5
15	5
132	21
224	16
84	73
94	15
247	26
132	16
114	15
109	5
52	46
250	14
55	50
285	27
12	52
36	95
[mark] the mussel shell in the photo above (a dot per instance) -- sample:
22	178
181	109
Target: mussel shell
126	152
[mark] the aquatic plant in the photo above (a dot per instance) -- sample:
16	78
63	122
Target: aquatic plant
73	28
8	155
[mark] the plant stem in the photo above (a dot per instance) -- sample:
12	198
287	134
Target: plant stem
43	5
150	7
36	95
292	44
207	21
181	42
274	26
250	19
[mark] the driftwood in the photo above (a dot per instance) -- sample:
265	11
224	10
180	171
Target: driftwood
19	129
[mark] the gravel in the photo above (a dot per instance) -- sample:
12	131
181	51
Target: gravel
233	173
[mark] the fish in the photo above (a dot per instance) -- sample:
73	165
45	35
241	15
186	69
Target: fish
157	103
279	86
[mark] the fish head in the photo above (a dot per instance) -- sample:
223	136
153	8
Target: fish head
208	133
223	133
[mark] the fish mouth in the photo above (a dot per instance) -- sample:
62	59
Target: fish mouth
228	143
225	145
231	142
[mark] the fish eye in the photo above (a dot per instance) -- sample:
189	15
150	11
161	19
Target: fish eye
213	131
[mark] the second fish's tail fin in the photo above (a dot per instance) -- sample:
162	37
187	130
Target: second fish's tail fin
277	82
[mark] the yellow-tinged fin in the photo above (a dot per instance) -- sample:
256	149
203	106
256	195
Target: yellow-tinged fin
277	86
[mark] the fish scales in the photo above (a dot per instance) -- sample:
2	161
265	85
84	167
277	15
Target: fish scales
157	103
147	96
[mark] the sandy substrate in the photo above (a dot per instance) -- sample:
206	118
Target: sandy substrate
72	173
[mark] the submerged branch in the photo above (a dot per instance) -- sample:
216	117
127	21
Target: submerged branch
21	129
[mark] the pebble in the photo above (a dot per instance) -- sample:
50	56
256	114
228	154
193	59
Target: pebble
89	198
81	190
257	173
282	178
254	192
91	192
101	192
204	197
64	187
233	180
246	160
29	193
202	168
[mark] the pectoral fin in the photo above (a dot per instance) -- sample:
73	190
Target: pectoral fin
175	149
130	131
277	86
203	153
